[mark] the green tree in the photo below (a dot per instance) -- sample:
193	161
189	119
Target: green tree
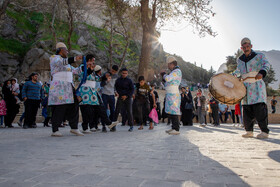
270	77
231	61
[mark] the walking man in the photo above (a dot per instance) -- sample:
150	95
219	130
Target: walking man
108	90
173	99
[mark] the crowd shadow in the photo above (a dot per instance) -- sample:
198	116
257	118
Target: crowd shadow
275	155
199	169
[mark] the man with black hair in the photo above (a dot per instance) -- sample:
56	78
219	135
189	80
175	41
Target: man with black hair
108	90
124	91
32	96
62	96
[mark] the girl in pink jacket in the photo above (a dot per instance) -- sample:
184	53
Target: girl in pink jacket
3	110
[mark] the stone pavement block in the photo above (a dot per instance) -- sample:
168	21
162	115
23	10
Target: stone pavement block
4	171
117	172
160	183
22	175
184	176
90	169
86	180
118	181
58	168
150	174
55	185
52	177
17	184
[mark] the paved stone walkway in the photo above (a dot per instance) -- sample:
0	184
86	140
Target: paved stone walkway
208	157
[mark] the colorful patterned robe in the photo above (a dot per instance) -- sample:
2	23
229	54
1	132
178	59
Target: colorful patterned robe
173	100
88	94
61	92
256	92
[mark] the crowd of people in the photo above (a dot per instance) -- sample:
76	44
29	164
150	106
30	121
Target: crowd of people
101	97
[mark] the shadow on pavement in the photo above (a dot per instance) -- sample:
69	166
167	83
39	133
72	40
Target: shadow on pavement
275	155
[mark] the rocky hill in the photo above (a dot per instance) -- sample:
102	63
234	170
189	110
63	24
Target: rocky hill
26	43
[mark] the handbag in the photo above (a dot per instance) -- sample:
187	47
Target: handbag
153	115
189	106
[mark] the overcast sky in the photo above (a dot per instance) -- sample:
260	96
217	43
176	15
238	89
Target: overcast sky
235	19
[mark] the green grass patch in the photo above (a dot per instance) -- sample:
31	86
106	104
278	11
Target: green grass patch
23	21
13	46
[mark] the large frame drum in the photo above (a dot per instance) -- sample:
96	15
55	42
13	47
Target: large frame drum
227	89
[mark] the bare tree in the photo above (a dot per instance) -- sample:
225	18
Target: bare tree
121	21
158	12
3	7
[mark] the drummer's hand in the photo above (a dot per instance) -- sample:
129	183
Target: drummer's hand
259	76
162	73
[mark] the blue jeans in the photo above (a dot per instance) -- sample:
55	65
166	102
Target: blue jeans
109	100
22	117
1	118
221	117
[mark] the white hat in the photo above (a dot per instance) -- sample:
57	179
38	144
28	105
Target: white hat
245	40
60	45
97	68
170	59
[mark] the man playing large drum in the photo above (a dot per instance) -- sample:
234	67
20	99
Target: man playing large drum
254	103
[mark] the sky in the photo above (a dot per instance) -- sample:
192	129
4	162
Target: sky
234	19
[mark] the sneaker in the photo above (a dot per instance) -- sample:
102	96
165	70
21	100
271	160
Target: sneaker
262	135
93	129
249	134
19	123
57	134
202	125
113	130
130	129
174	132
113	124
76	132
2	126
168	131
87	131
104	129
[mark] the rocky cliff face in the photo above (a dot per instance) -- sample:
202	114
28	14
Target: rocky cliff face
25	50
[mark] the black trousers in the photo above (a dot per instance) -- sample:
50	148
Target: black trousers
68	112
256	111
128	106
187	116
31	109
87	116
215	114
141	114
175	121
12	110
99	112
